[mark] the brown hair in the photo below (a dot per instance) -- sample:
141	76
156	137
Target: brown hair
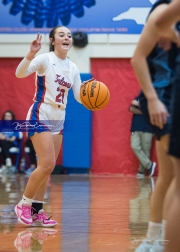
52	36
12	114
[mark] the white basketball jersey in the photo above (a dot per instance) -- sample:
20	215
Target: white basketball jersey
53	84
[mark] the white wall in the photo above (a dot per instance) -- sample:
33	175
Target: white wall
99	46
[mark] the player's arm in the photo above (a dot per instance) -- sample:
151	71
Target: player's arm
26	67
170	15
148	40
166	21
76	86
22	68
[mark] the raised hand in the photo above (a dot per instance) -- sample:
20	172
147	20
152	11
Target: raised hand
36	44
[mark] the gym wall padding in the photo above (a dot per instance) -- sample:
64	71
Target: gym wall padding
16	94
77	133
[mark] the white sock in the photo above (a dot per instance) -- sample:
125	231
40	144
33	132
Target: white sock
26	200
154	230
163	230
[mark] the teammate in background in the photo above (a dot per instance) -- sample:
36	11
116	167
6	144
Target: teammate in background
56	74
155	66
141	140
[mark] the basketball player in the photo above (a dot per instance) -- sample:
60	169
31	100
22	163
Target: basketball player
155	68
55	75
165	20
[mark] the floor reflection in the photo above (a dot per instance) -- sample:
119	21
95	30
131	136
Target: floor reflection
94	214
32	239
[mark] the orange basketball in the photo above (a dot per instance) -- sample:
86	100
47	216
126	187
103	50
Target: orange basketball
94	95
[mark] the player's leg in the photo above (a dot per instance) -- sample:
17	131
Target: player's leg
44	147
39	216
172	232
167	202
57	141
165	175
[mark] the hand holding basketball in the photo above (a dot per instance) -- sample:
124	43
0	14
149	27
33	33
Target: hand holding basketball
94	95
85	82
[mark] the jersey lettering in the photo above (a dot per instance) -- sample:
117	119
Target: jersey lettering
60	96
60	80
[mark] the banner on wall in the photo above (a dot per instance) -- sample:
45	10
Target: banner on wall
90	16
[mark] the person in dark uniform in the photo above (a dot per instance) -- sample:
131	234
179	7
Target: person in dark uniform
154	64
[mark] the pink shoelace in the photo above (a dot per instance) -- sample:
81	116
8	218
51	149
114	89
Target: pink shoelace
43	216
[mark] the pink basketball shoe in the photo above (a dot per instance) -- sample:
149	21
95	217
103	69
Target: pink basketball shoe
24	213
42	220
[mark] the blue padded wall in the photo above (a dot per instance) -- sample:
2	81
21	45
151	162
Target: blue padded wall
77	133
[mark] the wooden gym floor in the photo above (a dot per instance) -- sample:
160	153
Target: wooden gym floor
94	214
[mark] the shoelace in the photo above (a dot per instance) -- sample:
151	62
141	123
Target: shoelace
27	211
43	216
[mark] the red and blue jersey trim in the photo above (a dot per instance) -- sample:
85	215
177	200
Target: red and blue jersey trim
41	89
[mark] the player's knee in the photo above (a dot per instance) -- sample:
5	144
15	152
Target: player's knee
48	165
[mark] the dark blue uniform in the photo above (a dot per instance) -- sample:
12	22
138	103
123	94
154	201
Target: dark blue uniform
174	147
162	66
